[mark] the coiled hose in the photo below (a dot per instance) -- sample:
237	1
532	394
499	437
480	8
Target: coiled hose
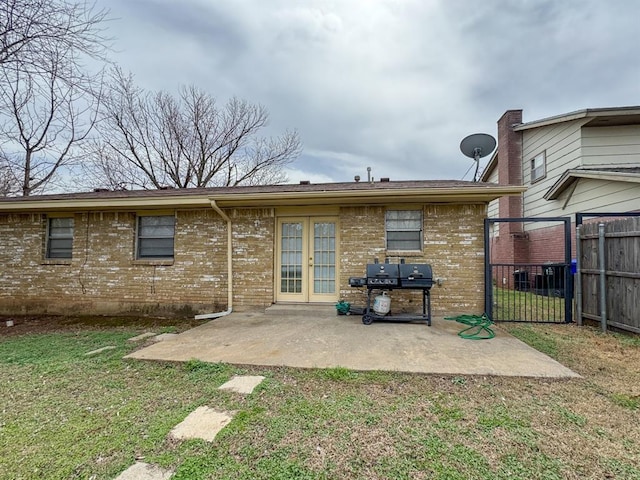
479	326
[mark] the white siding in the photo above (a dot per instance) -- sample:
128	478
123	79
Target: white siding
561	144
592	195
492	211
611	146
569	145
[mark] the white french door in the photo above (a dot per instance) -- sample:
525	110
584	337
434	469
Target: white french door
307	268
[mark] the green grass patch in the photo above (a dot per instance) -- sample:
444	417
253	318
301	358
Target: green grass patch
496	416
571	418
59	349
626	401
338	374
509	305
538	338
627	339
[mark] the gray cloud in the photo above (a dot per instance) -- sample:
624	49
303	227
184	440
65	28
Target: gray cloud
394	85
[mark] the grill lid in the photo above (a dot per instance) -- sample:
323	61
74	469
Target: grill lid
383	274
416	275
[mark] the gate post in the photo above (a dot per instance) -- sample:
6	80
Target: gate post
488	284
578	276
568	276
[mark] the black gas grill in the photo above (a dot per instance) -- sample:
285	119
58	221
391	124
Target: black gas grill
386	277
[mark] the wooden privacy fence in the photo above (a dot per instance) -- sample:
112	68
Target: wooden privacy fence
608	273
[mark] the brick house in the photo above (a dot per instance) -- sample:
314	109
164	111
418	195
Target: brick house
584	161
198	251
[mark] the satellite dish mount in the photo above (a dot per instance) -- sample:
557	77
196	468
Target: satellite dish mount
476	146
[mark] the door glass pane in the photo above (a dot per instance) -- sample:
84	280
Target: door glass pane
291	258
324	234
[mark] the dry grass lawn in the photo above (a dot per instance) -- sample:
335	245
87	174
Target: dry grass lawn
65	415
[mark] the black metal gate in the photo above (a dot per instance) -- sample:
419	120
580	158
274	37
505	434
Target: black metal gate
519	291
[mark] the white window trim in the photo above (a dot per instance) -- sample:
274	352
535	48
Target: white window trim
421	239
543	157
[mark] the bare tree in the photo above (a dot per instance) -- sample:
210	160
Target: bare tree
48	98
7	182
31	30
45	118
154	140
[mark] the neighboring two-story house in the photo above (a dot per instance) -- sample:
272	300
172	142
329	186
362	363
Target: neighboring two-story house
584	161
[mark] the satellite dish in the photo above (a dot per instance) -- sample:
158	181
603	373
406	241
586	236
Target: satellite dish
476	146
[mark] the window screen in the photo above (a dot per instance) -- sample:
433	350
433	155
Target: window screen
404	229
155	236
538	169
59	237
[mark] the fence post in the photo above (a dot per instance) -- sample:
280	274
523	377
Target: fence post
578	277
603	278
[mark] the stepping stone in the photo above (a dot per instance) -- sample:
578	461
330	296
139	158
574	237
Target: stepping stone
242	383
203	423
142	336
100	350
144	471
165	336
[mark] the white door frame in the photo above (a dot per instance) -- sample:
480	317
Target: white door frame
305	257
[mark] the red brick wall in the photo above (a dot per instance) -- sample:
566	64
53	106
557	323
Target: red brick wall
508	245
547	244
543	245
510	164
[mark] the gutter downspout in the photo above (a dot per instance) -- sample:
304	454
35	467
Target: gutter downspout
209	316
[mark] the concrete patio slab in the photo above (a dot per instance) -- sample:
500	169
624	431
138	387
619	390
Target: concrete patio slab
319	338
144	471
243	384
203	423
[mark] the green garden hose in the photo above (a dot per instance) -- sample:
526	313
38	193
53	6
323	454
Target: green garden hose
479	326
343	307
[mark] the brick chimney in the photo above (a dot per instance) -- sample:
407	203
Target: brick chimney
514	248
510	161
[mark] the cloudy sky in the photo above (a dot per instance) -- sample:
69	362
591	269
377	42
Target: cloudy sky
390	84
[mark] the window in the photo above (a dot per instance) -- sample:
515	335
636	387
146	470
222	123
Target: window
155	236
59	237
538	167
404	230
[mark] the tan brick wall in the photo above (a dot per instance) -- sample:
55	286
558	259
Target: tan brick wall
453	245
104	277
253	257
